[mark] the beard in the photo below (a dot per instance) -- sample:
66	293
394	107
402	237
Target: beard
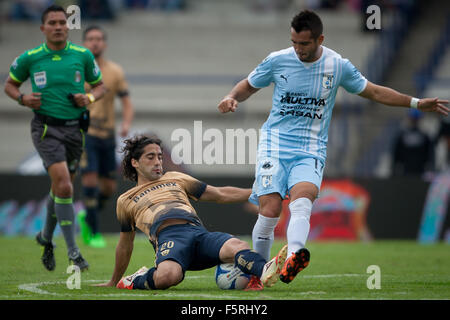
97	54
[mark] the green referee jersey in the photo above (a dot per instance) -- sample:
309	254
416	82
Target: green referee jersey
55	74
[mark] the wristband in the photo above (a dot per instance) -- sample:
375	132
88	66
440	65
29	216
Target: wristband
20	99
414	103
91	97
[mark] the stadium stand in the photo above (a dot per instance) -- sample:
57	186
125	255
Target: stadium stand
434	78
421	45
180	64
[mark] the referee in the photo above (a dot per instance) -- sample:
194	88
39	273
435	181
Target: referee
57	70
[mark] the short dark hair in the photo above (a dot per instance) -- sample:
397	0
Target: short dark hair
133	149
91	28
308	20
52	8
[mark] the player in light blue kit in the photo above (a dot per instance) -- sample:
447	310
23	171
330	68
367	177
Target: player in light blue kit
293	141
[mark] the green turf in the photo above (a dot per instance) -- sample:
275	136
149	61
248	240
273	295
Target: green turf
338	270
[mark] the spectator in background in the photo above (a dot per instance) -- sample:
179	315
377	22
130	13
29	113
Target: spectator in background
412	152
330	4
28	9
270	5
96	9
435	219
167	5
442	147
136	3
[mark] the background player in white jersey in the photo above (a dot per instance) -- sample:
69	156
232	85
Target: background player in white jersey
292	148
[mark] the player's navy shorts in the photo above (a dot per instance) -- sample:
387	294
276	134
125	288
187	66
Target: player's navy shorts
99	156
193	247
57	143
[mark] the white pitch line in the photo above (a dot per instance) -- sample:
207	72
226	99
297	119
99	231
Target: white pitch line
34	288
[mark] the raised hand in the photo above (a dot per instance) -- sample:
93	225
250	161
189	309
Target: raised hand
433	105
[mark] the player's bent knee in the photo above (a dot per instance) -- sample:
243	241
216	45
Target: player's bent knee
272	210
64	189
167	280
238	245
304	190
270	205
168	275
230	248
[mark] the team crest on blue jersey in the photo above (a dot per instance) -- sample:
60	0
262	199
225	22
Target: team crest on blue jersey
327	80
266	180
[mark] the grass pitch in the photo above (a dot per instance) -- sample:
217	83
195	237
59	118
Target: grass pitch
338	270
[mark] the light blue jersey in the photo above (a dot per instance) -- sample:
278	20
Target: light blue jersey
293	142
303	100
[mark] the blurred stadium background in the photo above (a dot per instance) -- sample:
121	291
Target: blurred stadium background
182	56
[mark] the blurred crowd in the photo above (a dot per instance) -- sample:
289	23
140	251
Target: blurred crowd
415	152
107	9
90	9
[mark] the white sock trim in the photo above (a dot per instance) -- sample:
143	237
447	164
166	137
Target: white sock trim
300	204
266	221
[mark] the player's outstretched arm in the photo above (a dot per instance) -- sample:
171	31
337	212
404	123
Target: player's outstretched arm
241	92
391	97
225	194
124	250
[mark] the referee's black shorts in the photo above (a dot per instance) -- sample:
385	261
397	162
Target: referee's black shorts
58	143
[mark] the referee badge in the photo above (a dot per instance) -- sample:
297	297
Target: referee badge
40	79
327	80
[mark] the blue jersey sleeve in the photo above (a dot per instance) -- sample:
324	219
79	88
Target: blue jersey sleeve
352	80
262	75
